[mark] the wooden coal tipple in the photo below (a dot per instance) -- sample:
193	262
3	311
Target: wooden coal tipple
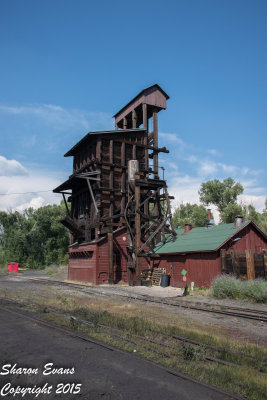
115	184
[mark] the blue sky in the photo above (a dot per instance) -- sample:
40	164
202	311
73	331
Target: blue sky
67	66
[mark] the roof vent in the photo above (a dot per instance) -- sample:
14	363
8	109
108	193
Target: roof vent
187	228
238	221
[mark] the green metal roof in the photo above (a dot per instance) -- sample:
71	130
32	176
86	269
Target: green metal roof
199	239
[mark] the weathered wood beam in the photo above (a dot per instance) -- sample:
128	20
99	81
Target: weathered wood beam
112	217
155	141
137	231
134	118
110	258
235	263
223	261
250	264
123	178
145	146
265	263
111	176
66	205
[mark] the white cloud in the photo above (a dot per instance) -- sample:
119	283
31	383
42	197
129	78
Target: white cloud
11	168
34	189
229	169
168	164
257	201
61	118
185	186
172	138
192	159
35	202
208	168
214	152
185	190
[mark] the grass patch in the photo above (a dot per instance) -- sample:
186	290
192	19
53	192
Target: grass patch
199	291
244	381
228	286
53	269
119	323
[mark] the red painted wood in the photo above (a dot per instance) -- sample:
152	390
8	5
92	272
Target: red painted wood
201	267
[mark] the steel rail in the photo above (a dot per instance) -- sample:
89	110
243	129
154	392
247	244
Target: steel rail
207	357
261	318
112	348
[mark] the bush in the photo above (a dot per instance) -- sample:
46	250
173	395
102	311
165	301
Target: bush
231	287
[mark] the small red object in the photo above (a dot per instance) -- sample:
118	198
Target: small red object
13	267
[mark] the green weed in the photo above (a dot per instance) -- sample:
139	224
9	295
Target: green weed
229	286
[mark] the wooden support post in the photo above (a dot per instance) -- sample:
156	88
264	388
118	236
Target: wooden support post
123	178
124	123
66	205
71	239
145	119
155	143
265	263
145	126
250	264
134	119
110	258
223	261
169	212
235	263
98	149
111	176
137	232
134	152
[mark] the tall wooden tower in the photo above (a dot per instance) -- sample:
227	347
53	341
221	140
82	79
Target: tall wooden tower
113	184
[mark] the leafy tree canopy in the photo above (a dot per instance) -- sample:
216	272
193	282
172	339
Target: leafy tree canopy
34	238
190	213
221	194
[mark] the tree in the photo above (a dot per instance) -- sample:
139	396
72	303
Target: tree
230	211
262	219
221	194
34	238
190	213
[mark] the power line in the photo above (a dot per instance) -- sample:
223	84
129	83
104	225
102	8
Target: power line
40	191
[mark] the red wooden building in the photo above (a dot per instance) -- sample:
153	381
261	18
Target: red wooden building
198	250
89	262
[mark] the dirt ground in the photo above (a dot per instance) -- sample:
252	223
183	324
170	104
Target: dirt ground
102	373
239	328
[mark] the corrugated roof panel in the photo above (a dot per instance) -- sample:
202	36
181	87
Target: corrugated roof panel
198	239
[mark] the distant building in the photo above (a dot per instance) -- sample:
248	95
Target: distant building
197	250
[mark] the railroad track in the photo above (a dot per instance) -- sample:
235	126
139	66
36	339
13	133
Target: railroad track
168	350
238	312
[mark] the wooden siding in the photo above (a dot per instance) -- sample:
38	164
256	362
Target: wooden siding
89	263
203	267
81	267
151	96
247	265
250	239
